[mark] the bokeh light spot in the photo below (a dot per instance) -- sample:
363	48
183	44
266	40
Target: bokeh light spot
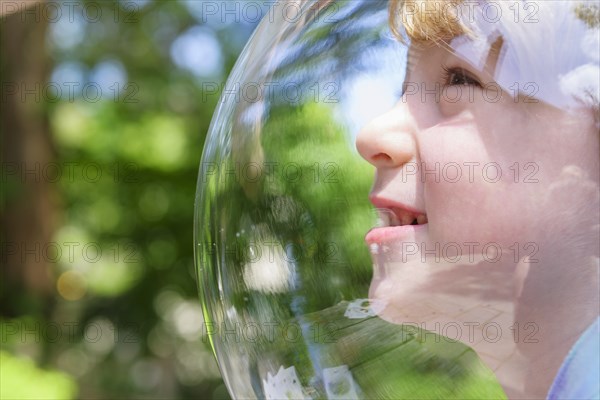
71	285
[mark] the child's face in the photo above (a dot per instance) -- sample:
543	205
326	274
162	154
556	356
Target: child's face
476	161
509	188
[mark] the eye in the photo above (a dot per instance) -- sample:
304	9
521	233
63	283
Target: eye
459	76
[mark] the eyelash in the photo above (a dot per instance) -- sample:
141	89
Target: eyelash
450	74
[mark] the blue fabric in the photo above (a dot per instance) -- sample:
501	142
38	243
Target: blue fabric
579	375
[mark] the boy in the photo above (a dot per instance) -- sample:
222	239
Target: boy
487	177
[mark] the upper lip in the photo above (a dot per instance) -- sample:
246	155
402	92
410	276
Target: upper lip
382	202
402	213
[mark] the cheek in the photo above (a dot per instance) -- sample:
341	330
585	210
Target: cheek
478	212
475	198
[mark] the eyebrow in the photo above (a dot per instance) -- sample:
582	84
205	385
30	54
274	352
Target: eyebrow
491	62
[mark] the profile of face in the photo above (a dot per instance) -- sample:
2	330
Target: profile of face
487	190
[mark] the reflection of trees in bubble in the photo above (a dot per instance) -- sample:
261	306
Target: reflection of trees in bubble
328	213
399	361
319	224
273	251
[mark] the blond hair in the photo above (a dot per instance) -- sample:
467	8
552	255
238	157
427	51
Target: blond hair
426	21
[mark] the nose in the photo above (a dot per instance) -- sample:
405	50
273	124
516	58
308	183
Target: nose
388	141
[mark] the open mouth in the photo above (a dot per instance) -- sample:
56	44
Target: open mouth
396	222
395	216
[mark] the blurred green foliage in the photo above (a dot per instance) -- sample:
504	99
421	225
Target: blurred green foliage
18	375
126	309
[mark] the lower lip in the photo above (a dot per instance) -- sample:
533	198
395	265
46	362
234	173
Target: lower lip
393	233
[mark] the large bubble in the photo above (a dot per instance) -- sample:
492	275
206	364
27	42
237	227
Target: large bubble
400	200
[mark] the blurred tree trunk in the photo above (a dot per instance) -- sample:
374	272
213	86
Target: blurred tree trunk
29	201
